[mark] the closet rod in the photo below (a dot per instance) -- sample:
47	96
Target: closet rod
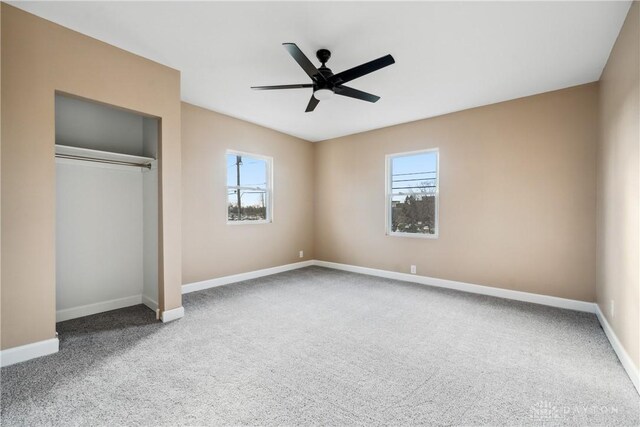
112	162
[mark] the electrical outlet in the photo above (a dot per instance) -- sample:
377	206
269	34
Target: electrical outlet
613	313
301	255
413	269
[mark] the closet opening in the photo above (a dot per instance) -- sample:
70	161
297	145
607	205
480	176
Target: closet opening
106	208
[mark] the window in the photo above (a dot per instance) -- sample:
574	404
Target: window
248	188
412	194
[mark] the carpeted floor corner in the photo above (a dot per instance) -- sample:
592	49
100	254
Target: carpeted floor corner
319	346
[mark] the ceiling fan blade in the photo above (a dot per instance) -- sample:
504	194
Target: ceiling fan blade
313	102
361	70
298	86
355	93
303	61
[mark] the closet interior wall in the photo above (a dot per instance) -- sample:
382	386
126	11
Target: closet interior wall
106	213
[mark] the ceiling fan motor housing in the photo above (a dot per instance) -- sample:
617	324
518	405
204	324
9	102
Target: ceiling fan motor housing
323	55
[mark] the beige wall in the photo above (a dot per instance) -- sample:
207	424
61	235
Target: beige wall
211	248
39	58
618	188
517	197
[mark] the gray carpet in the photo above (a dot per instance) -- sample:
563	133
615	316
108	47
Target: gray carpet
318	346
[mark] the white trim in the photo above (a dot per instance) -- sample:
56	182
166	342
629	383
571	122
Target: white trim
225	280
570	304
551	301
153	305
99	307
235	152
173	314
388	172
622	354
26	352
413	235
249	222
42	348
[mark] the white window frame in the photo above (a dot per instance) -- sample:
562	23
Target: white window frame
269	188
388	194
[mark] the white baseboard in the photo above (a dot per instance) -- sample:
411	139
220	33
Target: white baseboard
225	280
153	305
23	353
570	304
42	348
565	303
173	314
99	307
625	360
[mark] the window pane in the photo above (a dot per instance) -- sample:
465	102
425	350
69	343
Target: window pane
413	214
414	174
253	172
253	205
413	193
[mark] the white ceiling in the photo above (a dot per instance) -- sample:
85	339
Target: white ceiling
449	56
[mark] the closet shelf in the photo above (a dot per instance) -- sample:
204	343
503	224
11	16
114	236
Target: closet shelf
66	151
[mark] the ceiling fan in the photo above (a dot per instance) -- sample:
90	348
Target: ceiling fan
325	83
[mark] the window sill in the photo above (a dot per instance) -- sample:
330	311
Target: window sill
245	222
412	235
